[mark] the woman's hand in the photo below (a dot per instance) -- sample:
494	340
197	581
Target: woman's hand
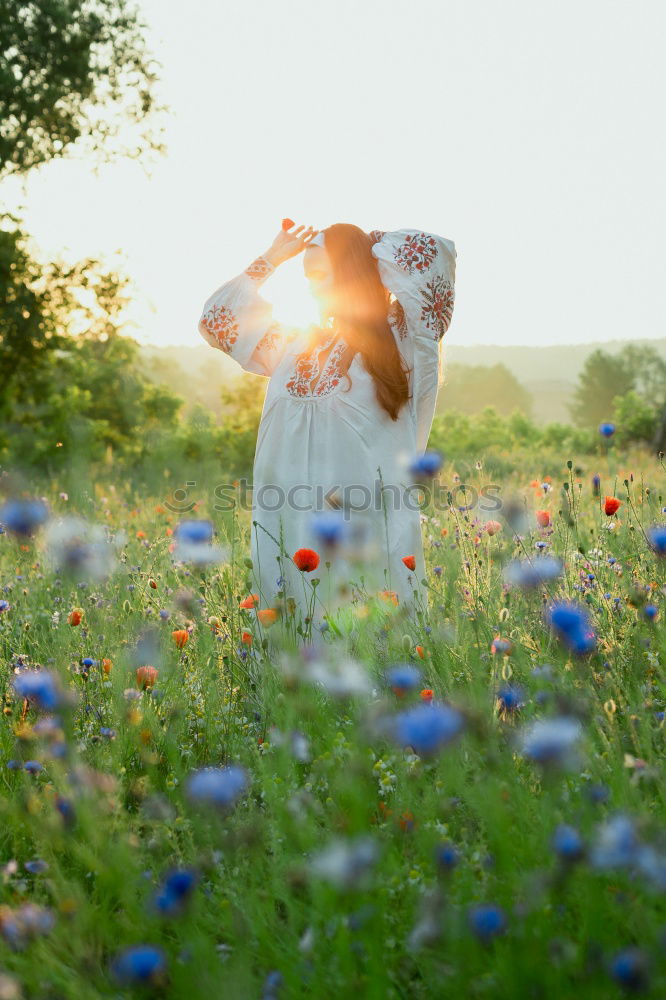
289	243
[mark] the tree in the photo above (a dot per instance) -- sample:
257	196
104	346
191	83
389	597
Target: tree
70	70
605	378
470	388
70	379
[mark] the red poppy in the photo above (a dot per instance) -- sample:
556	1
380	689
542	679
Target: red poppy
146	677
409	561
267	616
420	650
250	601
180	637
611	505
75	616
492	527
287	223
306	560
246	637
543	518
153	584
427	694
107	665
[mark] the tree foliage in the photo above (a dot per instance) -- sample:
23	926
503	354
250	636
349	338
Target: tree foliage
471	388
70	378
73	70
628	388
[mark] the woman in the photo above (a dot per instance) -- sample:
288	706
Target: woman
348	408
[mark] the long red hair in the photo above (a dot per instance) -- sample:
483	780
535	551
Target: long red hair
361	312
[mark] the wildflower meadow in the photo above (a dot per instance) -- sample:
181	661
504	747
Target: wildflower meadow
203	797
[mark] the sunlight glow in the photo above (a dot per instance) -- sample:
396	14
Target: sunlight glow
287	290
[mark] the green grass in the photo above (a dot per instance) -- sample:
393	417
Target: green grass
258	905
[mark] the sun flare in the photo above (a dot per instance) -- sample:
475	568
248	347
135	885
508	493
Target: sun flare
288	292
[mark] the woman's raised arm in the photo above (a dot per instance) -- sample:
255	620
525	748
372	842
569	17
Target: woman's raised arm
237	320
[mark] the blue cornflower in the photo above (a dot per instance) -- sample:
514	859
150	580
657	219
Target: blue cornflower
551	741
651	611
403	678
572	626
219	786
568	843
607	429
40	686
657	538
176	889
617	843
426	464
428	727
33	766
596	484
447	856
87	661
532	572
141	964
629	968
4	606
23	516
510	698
36	867
487	920
192	532
109	733
273	982
330	526
437	570
66	810
164	614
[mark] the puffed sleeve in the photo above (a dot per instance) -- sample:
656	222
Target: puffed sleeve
237	320
419	270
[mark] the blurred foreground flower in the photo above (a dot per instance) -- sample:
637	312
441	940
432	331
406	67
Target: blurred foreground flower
572	626
218	786
343	863
486	920
143	963
86	551
41	688
606	429
532	572
656	534
425	465
551	741
174	893
193	543
403	678
23	517
427	727
342	678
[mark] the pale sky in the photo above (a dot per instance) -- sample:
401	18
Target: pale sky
529	133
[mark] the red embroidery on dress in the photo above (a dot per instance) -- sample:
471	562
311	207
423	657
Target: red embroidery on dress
307	369
221	323
396	317
332	372
417	252
258	269
272	339
437	307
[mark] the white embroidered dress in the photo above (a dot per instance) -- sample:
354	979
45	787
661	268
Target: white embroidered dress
323	436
